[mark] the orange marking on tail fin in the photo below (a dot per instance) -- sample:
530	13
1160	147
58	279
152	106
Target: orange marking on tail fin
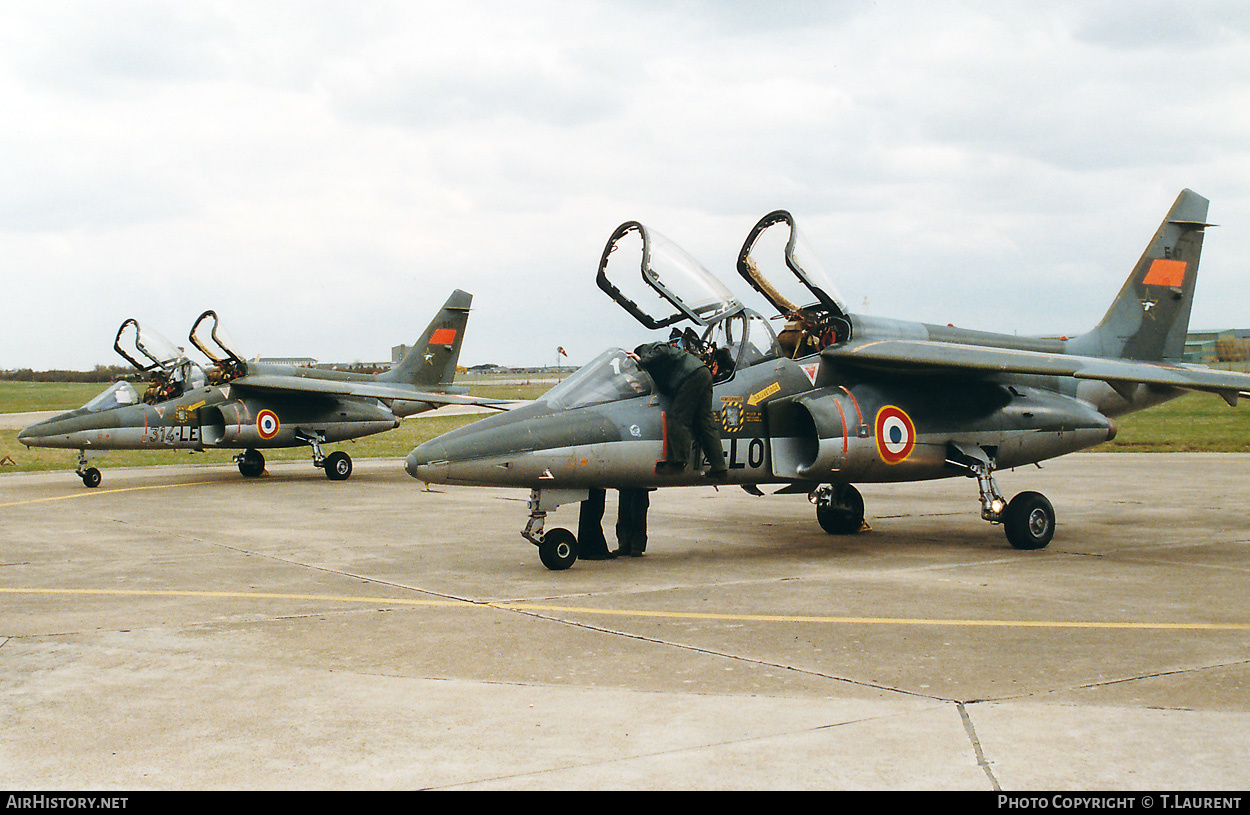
1166	273
443	336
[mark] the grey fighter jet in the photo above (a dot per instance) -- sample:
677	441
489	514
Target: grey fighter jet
836	398
238	404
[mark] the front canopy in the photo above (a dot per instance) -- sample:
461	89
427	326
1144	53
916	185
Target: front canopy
146	349
170	373
669	286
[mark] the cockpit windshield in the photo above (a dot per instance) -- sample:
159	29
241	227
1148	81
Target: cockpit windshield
610	377
651	276
119	394
747	338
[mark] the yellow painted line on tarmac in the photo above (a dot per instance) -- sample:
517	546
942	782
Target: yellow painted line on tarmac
240	595
668	615
779	618
112	491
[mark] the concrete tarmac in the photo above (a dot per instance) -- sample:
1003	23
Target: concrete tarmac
181	627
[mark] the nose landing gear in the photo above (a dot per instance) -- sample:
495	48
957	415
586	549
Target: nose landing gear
90	475
557	549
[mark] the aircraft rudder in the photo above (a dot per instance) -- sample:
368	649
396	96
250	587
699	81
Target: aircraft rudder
1149	318
433	358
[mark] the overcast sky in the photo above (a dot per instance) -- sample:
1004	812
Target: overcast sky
324	174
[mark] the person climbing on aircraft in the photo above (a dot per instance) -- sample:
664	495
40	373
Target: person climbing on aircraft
682	376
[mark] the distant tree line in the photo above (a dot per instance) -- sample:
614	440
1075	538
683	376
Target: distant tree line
101	373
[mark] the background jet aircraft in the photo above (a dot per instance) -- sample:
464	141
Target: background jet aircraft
837	398
253	405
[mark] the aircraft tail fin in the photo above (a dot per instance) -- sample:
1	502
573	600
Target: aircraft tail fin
432	360
1150	316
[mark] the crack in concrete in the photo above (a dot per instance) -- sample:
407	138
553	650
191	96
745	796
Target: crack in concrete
982	761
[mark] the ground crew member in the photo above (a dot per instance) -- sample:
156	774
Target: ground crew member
631	524
684	378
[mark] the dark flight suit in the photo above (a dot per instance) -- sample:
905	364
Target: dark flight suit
631	521
687	382
591	545
631	524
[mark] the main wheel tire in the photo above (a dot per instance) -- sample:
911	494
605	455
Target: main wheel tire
91	477
251	463
558	551
338	466
1029	521
843	512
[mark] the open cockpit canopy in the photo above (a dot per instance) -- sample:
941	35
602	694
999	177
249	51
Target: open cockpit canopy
779	263
658	282
228	364
661	285
217	346
170	373
146	349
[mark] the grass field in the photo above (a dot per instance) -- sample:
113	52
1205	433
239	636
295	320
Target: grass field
1192	423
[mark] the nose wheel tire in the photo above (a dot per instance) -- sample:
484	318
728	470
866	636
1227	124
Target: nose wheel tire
91	477
1029	521
558	549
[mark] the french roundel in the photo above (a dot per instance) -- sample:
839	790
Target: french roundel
267	424
896	435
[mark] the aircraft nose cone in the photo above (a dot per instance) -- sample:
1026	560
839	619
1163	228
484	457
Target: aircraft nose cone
420	462
32	436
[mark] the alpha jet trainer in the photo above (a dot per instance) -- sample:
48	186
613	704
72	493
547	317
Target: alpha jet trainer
237	404
837	398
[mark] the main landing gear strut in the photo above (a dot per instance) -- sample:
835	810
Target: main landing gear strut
1028	519
338	465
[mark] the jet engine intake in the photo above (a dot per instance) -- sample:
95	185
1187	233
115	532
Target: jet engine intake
814	433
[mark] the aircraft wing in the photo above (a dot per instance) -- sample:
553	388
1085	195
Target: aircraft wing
927	356
290	385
